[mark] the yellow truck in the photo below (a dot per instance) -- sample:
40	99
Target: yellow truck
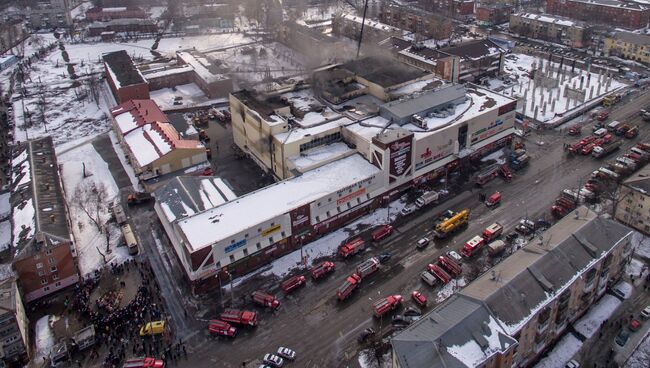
452	224
611	100
152	328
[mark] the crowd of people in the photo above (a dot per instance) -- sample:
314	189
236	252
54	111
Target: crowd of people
117	326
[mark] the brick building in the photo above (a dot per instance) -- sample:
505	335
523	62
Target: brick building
129	26
105	14
493	14
124	78
611	12
450	8
44	253
551	28
426	23
511	315
349	25
15	326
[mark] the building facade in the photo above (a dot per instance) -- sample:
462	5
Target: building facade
99	14
530	298
428	24
493	14
124	78
551	28
48	14
14	325
610	12
12	33
45	255
130	26
628	45
349	25
633	201
450	8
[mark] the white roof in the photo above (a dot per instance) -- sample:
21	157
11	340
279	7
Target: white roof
297	134
372	23
126	122
115	9
314	156
198	64
147	145
545	18
231	218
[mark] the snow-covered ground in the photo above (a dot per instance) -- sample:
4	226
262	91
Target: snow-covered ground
155	12
625	288
562	352
204	43
43	338
552	104
449	289
635	268
79	12
89	241
498	156
6	271
5	206
590	323
367	359
641	356
641	244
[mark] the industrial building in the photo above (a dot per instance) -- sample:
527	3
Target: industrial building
513	313
100	14
44	255
124	78
334	165
349	25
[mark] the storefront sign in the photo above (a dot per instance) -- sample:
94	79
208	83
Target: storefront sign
234	246
400	157
271	230
350	196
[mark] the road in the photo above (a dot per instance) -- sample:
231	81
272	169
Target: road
324	332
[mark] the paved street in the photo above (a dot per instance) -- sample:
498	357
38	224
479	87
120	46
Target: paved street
322	331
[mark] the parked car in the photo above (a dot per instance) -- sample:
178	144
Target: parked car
455	256
273	360
645	313
635	325
412	312
286	353
385	257
420	299
365	334
622	337
422	243
152	328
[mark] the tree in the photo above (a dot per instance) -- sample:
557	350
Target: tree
92	199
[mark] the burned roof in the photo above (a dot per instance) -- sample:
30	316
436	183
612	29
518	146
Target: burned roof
123	69
525	281
384	71
474	50
395	44
39	205
265	106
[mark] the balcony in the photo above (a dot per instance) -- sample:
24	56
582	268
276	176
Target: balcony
589	287
541	328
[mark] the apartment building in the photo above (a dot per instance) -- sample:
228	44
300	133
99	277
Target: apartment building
530	298
628	45
633	201
551	28
493	14
14	326
615	13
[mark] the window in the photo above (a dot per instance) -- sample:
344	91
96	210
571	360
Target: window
46	289
259	246
41	272
232	241
271	240
55	276
39	265
245	235
328	213
48	252
53	269
272	223
317	218
43	280
282	234
259	229
232	258
245	252
57	284
321	141
51	260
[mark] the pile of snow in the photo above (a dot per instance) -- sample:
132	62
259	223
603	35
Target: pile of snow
44	338
5	206
449	289
564	350
625	288
367	359
641	245
89	241
590	323
635	268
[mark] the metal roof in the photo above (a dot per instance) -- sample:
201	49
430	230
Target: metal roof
425	101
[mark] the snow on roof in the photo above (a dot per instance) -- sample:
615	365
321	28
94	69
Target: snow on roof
126	122
200	67
24	222
147	144
221	222
297	134
164	72
314	156
471	353
21	169
372	24
547	18
115	9
5	206
5	235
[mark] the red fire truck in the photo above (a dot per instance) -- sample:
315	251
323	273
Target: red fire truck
386	305
292	283
492	232
264	299
472	246
241	317
450	266
351	283
382	232
493	200
144	363
322	270
367	267
439	273
352	247
221	328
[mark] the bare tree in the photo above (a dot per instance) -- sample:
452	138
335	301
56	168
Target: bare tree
92	198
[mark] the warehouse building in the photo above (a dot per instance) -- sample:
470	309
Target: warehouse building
124	78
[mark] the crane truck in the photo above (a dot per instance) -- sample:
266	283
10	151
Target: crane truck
452	224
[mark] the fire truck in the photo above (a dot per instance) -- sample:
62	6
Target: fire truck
386	305
322	270
367	267
472	246
292	283
382	232
452	224
265	299
492	232
450	266
351	283
240	317
352	247
217	327
439	273
488	174
493	200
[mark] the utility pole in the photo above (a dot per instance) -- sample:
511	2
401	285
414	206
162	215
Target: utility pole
363	22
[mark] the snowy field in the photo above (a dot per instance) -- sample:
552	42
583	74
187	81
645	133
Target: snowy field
562	352
590	323
551	104
90	242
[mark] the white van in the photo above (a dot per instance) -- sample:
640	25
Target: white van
639	151
600	132
613	125
428	278
129	239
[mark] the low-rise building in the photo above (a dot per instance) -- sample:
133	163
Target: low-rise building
512	314
124	78
628	45
616	13
12	33
151	142
493	14
129	26
633	201
450	8
427	24
101	14
44	254
45	14
349	25
551	28
15	325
